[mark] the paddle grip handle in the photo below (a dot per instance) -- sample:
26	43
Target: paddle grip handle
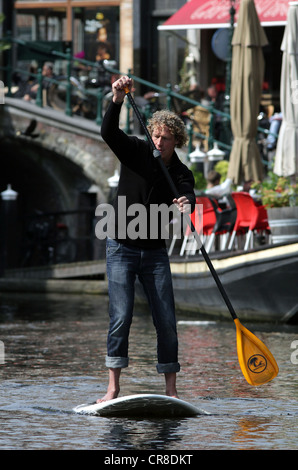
137	112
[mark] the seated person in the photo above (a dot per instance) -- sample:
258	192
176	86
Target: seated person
275	123
47	72
24	86
215	188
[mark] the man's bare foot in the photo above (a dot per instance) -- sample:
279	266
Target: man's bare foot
173	394
171	390
110	395
113	387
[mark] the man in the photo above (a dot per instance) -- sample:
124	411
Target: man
142	182
47	73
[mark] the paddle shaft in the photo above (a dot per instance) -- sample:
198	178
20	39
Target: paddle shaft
157	155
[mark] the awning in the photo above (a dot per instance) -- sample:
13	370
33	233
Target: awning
210	14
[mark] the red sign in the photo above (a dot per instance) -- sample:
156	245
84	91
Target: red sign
203	14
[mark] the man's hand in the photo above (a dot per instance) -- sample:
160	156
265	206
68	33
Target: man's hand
183	204
118	89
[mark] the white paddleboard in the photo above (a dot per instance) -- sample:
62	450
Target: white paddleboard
142	405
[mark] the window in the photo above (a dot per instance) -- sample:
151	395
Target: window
41	24
94	27
90	27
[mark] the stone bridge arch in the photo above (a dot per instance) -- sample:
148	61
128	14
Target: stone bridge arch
74	138
61	166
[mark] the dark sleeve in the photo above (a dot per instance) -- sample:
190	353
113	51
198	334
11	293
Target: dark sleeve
185	185
110	125
133	152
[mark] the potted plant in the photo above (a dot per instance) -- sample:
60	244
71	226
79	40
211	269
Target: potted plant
280	197
277	191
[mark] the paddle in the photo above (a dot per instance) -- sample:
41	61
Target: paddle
256	361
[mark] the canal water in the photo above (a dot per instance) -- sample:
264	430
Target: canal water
53	349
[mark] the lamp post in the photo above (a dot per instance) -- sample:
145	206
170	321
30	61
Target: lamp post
215	154
114	180
200	157
9	194
9	243
229	58
113	185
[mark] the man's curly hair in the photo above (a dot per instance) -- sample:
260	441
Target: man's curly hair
173	122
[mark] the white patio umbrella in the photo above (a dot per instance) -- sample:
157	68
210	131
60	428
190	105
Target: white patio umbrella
247	76
286	157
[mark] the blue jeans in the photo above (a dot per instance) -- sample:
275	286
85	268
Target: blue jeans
124	264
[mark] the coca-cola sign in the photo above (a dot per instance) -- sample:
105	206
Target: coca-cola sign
216	13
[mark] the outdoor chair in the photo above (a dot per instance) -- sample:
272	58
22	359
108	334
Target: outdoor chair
216	223
225	221
205	230
250	218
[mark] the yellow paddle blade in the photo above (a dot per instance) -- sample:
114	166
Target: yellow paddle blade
256	361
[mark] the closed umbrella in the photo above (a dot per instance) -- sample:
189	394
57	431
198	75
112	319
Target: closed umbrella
286	157
246	88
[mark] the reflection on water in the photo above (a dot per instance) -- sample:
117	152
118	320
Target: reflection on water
130	435
54	360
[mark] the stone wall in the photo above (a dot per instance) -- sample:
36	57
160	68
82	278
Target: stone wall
60	171
73	138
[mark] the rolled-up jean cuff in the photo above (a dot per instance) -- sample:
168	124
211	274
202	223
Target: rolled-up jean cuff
170	367
116	362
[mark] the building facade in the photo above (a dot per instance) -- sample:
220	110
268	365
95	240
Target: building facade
128	28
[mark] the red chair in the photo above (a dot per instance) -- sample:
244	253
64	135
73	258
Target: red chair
209	214
203	222
250	217
225	221
262	223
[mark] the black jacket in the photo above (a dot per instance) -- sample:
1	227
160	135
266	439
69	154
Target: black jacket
141	179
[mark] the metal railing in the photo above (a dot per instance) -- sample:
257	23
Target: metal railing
98	93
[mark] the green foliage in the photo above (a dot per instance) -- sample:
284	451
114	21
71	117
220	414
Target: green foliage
3	45
200	182
222	168
277	191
